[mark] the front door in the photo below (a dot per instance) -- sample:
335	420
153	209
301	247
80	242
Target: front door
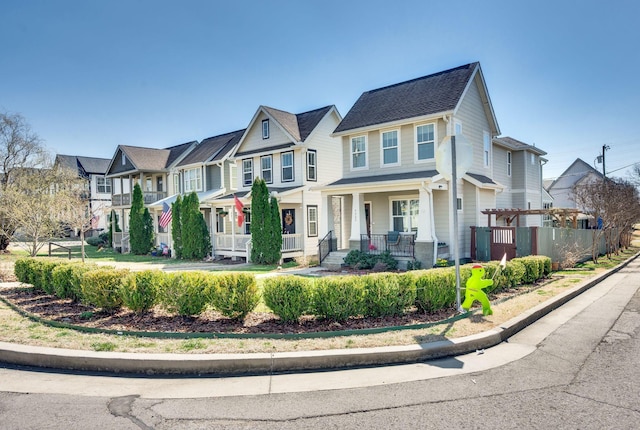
288	221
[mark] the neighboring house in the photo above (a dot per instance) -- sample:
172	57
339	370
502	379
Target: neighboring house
98	186
561	189
293	153
148	167
518	167
207	171
390	195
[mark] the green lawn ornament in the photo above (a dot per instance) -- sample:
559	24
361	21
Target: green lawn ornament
475	285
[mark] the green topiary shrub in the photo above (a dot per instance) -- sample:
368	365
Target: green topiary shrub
289	297
234	295
532	270
360	260
184	293
387	294
139	290
76	272
23	269
101	288
515	272
338	298
435	288
65	284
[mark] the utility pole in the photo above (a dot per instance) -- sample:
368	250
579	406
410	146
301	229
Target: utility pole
604	172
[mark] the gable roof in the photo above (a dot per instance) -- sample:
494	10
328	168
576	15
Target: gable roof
575	172
212	148
298	127
516	145
152	159
84	165
428	95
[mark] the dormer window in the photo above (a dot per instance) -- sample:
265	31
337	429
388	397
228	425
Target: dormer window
265	128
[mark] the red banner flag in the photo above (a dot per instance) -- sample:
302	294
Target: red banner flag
239	208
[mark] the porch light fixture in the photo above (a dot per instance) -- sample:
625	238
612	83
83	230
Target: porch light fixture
453	158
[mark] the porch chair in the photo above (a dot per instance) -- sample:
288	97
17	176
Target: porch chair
393	240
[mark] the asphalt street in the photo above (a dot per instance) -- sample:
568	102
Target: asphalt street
576	368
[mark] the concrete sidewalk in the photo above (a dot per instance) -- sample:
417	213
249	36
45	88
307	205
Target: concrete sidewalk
273	363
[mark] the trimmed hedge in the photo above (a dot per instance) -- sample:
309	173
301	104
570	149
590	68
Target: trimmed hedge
183	293
387	294
234	295
288	296
139	290
100	288
338	298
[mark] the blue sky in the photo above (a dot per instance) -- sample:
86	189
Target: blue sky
90	75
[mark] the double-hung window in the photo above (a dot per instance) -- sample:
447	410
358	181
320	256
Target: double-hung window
312	221
359	152
266	167
509	163
286	159
265	128
103	184
390	148
312	161
193	180
425	142
404	215
247	172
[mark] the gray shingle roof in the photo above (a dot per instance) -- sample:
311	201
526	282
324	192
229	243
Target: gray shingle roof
153	159
439	92
212	148
385	178
94	165
517	145
299	126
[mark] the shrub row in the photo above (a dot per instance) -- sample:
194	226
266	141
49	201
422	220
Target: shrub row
234	295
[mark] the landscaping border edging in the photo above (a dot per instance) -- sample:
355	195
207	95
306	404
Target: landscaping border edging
269	363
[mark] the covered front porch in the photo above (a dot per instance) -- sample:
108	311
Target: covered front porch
404	216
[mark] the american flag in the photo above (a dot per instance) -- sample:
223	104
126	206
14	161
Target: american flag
165	218
94	221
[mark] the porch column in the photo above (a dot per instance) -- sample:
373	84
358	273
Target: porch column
325	222
358	222
425	217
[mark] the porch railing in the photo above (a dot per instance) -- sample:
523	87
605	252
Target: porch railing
325	246
147	196
227	242
379	243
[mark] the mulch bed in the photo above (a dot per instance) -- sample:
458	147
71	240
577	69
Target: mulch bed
157	320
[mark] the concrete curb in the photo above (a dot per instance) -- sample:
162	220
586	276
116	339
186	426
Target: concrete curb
270	363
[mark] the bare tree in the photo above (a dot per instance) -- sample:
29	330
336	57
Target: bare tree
20	150
614	206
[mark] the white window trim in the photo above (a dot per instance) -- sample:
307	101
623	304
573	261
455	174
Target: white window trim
460	204
366	153
315	164
282	167
262	169
106	185
406	198
244	172
382	148
265	128
435	142
188	179
309	222
509	163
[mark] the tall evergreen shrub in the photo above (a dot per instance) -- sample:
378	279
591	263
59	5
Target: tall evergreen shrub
176	227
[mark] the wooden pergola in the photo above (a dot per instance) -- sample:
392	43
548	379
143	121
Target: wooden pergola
562	215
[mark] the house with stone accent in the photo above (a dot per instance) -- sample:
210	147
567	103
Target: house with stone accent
390	196
294	154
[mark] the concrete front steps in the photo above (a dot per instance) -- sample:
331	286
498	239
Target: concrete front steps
334	260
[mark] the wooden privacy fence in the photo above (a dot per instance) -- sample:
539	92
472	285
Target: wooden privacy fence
491	243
